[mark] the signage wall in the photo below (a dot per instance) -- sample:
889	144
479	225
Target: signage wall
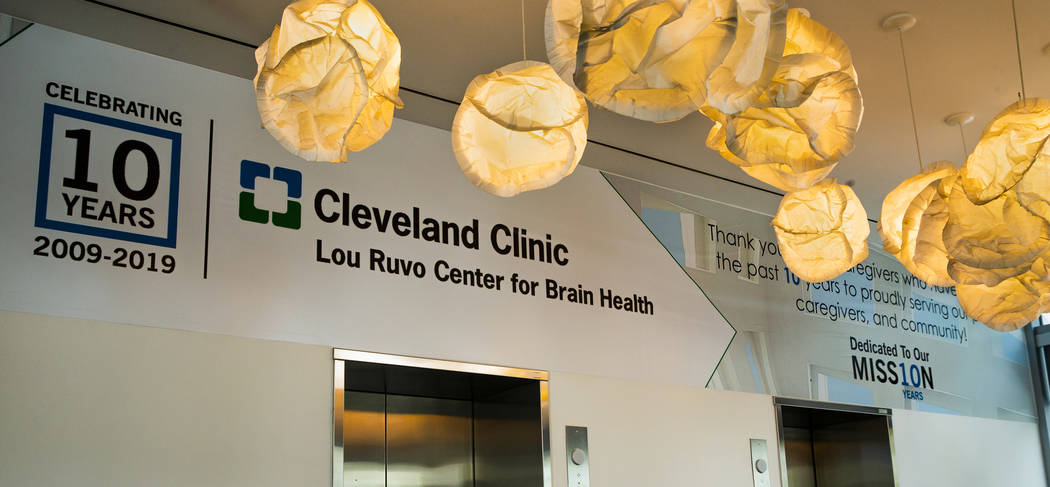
143	190
874	336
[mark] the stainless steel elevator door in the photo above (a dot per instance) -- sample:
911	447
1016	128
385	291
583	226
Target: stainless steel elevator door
429	442
848	446
404	426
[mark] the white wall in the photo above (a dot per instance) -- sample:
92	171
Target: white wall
95	404
644	434
935	450
90	404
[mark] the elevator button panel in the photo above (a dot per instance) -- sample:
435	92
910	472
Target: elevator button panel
577	459
759	463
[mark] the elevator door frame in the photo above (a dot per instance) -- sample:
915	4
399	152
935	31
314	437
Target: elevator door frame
780	402
341	356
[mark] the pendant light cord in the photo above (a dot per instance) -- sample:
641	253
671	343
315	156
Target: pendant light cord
524	53
962	135
911	102
1017	42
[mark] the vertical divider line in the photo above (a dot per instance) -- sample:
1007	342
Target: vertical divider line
207	205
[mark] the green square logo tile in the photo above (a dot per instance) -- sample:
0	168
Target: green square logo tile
247	210
291	218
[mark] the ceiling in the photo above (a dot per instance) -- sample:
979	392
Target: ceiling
961	57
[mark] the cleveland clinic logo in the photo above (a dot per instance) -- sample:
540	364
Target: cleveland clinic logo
256	178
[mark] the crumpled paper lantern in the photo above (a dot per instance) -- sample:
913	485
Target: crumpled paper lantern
912	222
995	237
327	79
661	60
519	128
822	231
1007	148
998	251
806	119
999	216
1011	304
997	256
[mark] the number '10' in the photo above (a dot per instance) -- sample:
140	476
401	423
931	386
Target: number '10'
120	163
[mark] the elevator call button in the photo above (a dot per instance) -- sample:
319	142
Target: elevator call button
578	456
761	465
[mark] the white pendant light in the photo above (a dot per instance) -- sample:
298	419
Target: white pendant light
822	231
519	128
327	79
